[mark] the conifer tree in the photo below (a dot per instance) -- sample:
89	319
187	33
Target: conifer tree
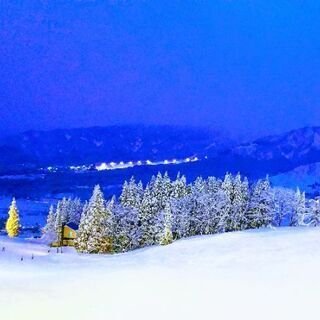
139	193
83	233
181	212
299	209
126	229
103	237
240	203
315	213
227	188
166	235
93	233
213	184
260	211
124	194
283	205
13	222
131	194
51	219
179	187
58	225
199	185
147	217
75	210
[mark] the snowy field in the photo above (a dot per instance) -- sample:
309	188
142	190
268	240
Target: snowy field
261	274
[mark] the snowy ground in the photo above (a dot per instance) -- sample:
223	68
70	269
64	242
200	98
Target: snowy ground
265	274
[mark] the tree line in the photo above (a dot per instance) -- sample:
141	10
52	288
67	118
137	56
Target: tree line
166	210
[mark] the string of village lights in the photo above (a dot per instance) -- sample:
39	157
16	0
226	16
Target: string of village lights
123	165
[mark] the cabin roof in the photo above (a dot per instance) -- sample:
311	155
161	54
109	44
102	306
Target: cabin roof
72	225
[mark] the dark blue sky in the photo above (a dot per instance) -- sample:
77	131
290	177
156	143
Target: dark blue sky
248	66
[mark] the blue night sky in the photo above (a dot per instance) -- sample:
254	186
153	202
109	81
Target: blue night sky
250	67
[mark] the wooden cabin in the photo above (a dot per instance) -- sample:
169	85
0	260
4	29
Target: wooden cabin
69	233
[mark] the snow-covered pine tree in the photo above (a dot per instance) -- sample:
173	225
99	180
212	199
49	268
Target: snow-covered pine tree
245	202
81	242
213	184
166	189
63	210
198	186
133	200
181	212
75	210
198	218
124	194
260	213
315	212
126	229
179	187
62	217
139	193
222	211
131	194
166	236
97	223
13	222
51	219
299	209
106	227
227	188
58	225
148	216
239	203
158	192
283	204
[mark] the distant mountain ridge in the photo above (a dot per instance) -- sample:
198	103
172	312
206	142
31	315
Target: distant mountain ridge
295	144
291	159
97	144
273	155
280	153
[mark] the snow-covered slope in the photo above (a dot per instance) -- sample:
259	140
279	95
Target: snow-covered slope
291	145
306	177
262	274
272	154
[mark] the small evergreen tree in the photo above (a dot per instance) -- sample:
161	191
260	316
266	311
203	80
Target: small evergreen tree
299	213
147	217
58	225
97	215
227	188
13	222
315	213
260	209
83	231
51	219
166	235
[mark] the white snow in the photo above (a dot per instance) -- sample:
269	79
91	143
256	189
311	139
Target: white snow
262	274
305	177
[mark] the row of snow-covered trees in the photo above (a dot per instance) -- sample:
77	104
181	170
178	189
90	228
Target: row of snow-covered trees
166	210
